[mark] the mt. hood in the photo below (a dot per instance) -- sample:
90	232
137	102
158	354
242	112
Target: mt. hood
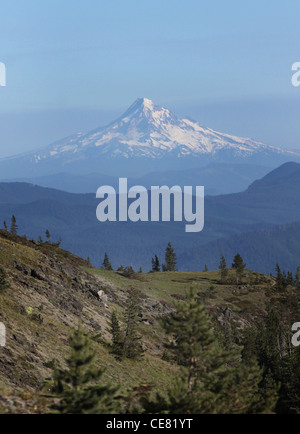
146	138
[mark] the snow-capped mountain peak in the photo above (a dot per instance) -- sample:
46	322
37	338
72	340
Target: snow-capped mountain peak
148	133
148	130
143	109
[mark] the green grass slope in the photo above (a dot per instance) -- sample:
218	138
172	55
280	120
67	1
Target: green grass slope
51	290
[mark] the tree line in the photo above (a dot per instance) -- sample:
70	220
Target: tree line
14	232
283	279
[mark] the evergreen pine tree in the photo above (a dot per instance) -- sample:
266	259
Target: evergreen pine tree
290	279
284	276
117	336
269	344
78	387
281	281
205	269
14	226
48	236
132	347
239	266
129	272
5	226
223	269
155	264
212	380
106	265
170	258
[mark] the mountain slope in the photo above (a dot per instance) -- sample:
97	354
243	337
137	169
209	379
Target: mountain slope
146	138
22	193
51	290
285	176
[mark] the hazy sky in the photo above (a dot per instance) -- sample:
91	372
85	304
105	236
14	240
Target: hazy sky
76	65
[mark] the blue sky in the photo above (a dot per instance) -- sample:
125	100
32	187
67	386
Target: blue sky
75	65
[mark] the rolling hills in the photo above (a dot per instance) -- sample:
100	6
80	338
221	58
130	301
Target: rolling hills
272	201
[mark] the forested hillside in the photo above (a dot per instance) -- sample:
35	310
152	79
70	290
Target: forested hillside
261	249
272	201
45	292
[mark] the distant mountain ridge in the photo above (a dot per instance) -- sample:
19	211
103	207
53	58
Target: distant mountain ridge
254	214
145	138
216	177
288	173
261	250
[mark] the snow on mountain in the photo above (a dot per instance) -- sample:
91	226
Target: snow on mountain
145	132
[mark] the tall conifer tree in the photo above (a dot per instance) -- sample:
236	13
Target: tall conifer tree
212	380
170	258
132	347
14	226
106	265
223	268
80	388
117	336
